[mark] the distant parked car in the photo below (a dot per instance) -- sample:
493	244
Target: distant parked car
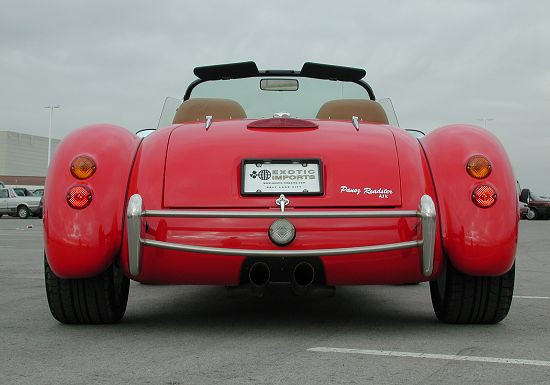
15	205
539	206
2	185
39	192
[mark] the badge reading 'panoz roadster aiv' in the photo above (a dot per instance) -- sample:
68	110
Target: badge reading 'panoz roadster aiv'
383	193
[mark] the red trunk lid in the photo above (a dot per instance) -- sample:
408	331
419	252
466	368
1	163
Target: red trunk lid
203	167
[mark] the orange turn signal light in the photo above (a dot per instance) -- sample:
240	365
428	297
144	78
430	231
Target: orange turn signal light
83	167
79	196
484	196
479	167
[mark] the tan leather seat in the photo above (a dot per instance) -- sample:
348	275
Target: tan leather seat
195	110
345	109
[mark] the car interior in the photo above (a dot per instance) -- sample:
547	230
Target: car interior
194	110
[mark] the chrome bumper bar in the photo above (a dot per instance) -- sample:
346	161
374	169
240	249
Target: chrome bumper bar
135	213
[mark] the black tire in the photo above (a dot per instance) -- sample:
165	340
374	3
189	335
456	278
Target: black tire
460	298
98	300
23	212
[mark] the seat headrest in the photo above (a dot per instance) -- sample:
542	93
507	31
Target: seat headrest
195	110
345	109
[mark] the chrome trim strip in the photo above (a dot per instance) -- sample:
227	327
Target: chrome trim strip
428	216
135	213
280	253
278	214
133	217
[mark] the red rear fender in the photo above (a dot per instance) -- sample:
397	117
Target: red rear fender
478	241
84	242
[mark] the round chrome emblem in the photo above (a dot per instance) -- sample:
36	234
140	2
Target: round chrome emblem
282	232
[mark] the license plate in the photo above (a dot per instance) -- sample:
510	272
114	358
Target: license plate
272	177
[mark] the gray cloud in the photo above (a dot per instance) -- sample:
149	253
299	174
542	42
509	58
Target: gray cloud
441	61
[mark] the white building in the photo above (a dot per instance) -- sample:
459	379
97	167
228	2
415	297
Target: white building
24	158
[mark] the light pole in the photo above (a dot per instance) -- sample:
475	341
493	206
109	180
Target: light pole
485	120
50	131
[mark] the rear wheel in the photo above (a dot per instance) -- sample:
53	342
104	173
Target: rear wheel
23	212
460	298
98	300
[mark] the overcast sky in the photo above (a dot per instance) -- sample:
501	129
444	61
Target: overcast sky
441	62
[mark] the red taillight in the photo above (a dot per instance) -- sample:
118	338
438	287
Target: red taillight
484	196
79	196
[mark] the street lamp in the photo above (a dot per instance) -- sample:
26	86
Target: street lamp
485	120
50	131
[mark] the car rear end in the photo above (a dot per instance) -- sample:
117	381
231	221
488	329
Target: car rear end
350	207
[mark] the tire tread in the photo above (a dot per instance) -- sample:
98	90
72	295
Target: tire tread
473	299
87	300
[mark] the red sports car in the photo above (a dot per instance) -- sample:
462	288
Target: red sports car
292	176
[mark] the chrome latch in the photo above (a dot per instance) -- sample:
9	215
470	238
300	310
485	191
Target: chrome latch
208	122
355	122
282	201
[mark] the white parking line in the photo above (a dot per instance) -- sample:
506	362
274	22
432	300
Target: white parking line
530	297
451	357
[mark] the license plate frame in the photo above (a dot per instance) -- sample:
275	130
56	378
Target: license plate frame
292	185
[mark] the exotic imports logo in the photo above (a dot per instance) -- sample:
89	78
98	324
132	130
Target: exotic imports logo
284	174
382	193
263	174
294	174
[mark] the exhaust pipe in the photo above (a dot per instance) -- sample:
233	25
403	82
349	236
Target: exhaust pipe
258	275
302	278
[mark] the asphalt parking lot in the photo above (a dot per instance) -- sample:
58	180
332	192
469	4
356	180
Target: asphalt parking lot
199	335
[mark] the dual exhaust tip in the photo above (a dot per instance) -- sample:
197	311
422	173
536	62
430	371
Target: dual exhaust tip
301	279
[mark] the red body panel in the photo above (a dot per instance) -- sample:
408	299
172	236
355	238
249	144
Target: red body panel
83	243
186	166
147	178
478	241
203	168
191	159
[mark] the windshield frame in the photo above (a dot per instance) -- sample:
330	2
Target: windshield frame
250	70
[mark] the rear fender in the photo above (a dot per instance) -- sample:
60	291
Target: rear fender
82	243
478	241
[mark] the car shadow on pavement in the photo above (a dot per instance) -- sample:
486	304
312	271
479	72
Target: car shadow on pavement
207	307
